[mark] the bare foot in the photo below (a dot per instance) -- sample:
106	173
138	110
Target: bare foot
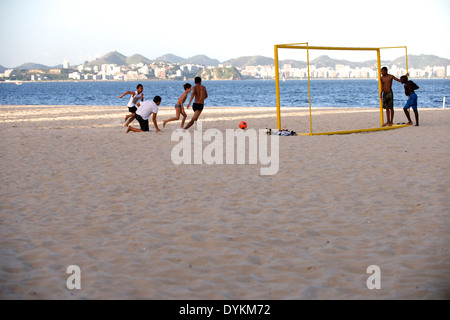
389	124
164	123
409	123
416	125
385	125
128	129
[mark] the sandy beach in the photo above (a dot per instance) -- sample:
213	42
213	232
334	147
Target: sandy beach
77	190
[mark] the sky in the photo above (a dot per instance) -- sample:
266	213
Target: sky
49	31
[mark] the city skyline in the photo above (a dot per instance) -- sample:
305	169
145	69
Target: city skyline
102	70
50	31
66	63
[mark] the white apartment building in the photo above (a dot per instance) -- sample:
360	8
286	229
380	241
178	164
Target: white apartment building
144	70
110	69
75	76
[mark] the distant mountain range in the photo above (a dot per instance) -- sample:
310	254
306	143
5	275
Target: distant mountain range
169	58
420	62
31	66
114	57
199	59
249	61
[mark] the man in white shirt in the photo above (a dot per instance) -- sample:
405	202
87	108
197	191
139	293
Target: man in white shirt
146	109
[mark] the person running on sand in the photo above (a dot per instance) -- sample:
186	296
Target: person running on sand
132	107
200	94
179	109
387	95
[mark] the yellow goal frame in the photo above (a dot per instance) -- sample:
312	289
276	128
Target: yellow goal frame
307	47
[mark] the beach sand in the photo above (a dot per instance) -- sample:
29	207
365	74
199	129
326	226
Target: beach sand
77	190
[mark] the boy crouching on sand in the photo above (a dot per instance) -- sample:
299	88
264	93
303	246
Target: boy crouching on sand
146	109
410	88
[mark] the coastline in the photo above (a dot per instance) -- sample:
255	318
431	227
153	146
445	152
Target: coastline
167	80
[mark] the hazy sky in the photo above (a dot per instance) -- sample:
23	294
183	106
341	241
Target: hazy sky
47	31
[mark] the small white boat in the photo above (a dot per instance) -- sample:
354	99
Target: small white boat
18	83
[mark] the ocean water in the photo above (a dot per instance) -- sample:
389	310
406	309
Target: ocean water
251	93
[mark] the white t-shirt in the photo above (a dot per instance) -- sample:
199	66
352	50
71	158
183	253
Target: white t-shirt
135	99
146	109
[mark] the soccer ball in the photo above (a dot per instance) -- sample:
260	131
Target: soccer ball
243	125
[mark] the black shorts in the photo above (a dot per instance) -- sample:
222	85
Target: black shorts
197	107
143	123
132	109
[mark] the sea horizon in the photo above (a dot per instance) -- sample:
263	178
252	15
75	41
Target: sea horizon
325	93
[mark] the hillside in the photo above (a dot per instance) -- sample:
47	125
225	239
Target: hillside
2	69
246	61
293	63
415	61
420	62
169	58
136	59
243	62
220	74
201	60
31	66
326	61
113	57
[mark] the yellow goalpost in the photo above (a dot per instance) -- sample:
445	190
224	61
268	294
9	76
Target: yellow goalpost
307	47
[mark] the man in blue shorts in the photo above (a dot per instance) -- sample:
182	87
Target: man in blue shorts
410	88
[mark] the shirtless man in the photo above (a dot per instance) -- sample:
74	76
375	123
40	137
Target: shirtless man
200	94
387	95
179	109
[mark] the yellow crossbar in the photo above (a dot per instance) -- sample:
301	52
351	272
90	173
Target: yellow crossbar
396	126
288	46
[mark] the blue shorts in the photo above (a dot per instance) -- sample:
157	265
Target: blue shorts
412	102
